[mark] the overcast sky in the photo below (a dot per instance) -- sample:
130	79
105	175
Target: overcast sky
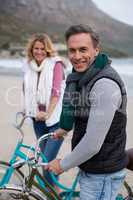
119	9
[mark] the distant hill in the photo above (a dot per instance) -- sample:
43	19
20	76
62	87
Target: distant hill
19	18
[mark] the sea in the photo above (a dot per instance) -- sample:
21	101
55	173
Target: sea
123	66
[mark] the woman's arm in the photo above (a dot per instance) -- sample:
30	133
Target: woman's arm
56	88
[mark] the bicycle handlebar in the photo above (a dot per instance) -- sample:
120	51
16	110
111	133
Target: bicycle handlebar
43	137
24	117
34	160
22	162
18	125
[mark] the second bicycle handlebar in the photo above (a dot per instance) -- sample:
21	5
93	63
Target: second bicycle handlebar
23	118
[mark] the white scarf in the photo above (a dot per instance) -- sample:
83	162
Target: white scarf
40	92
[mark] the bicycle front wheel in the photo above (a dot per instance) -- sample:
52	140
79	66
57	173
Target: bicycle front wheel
126	191
67	195
16	177
13	192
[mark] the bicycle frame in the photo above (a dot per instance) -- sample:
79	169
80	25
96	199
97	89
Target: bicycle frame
18	153
49	191
37	179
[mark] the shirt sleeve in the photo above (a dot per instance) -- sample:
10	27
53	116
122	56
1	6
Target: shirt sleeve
57	79
105	99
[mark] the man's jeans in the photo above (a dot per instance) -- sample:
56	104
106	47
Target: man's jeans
49	147
100	186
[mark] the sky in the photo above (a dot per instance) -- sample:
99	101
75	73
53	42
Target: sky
122	10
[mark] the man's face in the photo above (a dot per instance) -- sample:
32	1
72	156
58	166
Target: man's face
81	51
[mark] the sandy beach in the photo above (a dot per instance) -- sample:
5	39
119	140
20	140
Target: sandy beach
10	98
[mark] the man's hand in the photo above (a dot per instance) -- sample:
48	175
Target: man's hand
54	166
58	134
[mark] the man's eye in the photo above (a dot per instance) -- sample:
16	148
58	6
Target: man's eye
83	50
71	50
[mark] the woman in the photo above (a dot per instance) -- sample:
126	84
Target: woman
44	85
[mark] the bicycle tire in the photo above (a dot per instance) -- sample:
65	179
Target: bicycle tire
65	195
11	192
126	191
17	176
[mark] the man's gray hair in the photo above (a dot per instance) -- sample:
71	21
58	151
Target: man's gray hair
76	29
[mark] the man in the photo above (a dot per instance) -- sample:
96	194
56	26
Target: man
95	106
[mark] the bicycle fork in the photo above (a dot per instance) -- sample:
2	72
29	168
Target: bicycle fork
48	190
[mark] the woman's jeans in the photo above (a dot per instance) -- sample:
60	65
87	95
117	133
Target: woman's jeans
100	186
49	147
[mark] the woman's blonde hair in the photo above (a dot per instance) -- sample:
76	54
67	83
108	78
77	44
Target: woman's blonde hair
43	38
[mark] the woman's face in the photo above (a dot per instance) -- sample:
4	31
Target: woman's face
39	52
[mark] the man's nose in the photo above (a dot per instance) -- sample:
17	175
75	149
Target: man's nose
77	55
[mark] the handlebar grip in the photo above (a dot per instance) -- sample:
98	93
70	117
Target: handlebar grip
42	164
19	163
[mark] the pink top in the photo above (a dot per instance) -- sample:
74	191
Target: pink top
58	76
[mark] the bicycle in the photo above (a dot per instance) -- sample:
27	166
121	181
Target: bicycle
26	191
17	173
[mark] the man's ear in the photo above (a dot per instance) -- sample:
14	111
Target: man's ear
96	51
